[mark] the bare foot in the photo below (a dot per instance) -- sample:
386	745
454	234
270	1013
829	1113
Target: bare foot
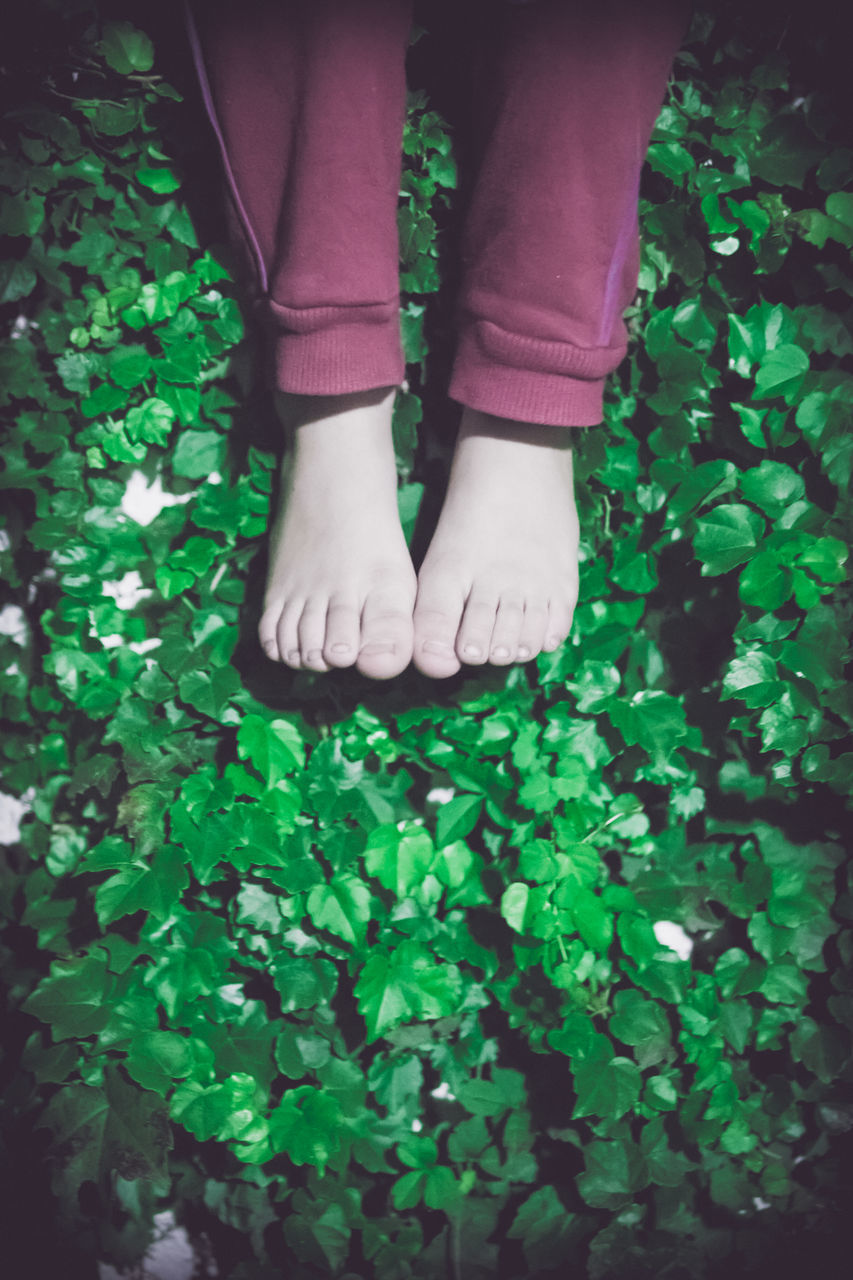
499	581
340	586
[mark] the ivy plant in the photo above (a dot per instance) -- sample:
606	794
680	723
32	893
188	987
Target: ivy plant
527	971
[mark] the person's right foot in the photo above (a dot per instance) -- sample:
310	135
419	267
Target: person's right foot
340	584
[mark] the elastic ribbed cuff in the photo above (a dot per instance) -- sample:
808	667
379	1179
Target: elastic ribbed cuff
348	355
511	378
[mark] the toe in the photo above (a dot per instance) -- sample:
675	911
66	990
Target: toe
437	615
507	630
387	634
475	630
288	636
558	626
342	633
312	633
268	632
533	628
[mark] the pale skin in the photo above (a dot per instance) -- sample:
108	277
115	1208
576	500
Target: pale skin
498	583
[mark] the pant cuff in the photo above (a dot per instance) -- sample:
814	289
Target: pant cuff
489	381
344	355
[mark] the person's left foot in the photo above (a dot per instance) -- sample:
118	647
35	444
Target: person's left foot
500	578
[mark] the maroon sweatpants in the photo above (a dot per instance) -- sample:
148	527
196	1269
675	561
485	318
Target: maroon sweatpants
308	101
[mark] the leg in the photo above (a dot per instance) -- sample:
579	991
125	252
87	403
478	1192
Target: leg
563	118
308	102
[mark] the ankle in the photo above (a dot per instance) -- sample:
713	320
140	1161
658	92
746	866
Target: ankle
309	408
477	425
349	426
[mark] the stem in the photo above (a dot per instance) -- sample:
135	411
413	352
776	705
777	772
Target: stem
615	817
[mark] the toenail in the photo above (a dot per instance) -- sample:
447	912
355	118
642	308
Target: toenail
552	643
293	655
435	646
340	648
378	646
314	655
523	651
472	650
500	652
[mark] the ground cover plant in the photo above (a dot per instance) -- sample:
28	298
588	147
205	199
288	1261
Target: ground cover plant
540	969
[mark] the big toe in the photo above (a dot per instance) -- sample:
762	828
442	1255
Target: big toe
387	635
437	615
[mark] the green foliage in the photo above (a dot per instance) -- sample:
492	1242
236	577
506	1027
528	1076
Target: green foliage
378	979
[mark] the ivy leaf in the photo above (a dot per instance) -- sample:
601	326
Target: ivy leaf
642	1024
104	399
824	1050
342	907
274	747
504	1092
753	677
76	370
638	938
727	537
702	485
781	730
543	1224
825	559
17	280
615	1171
745	345
171	582
154	888
198	454
126	49
660	1093
332	1233
226	1110
399	859
150	421
118	1129
114	119
156	1058
457	818
129	366
303	983
210	693
519	906
419	1151
606	1089
306	1126
21	215
259	909
736	1019
161	180
595	685
781	370
405	983
765	582
73	998
773	486
592	920
397	1083
437	1187
652	719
